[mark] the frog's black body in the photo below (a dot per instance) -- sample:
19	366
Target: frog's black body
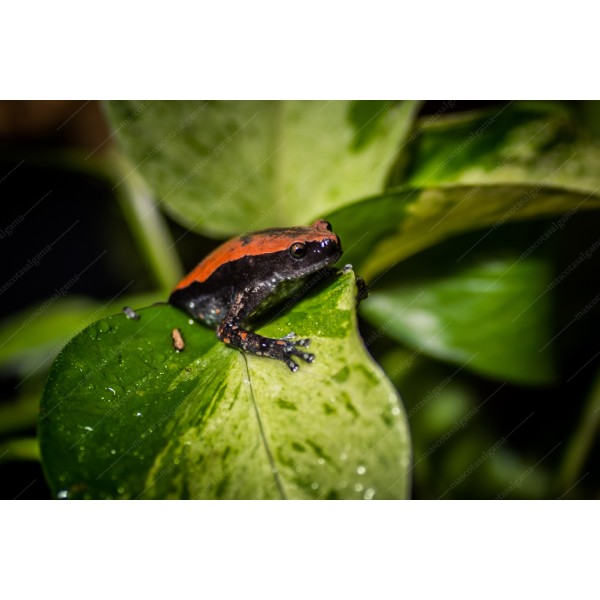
209	301
248	275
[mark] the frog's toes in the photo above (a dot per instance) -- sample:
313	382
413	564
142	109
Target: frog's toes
292	335
293	367
307	356
362	290
294	349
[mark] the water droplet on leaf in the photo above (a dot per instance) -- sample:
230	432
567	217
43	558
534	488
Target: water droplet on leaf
103	327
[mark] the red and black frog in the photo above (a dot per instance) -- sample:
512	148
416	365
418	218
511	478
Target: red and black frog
250	274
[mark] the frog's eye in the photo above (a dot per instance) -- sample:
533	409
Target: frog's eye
298	250
328	225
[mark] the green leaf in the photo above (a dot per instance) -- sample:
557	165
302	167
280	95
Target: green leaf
221	168
473	171
465	444
379	232
125	416
490	312
521	142
32	338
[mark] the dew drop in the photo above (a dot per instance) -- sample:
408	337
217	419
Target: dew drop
103	327
396	410
112	390
88	428
359	487
321	461
63	494
120	489
369	494
138	414
343	456
113	451
361	470
314	485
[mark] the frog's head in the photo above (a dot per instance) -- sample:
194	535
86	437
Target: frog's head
309	249
283	254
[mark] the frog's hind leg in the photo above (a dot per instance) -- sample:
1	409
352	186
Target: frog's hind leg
231	332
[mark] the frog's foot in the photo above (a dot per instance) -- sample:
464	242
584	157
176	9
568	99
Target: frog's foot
292	349
280	349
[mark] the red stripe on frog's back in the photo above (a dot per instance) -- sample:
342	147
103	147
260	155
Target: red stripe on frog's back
266	241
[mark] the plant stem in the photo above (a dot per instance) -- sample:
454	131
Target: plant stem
145	221
582	441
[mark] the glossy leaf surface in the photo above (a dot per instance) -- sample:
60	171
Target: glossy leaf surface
222	168
472	171
125	416
490	312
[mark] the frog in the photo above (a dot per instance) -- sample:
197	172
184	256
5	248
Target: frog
249	275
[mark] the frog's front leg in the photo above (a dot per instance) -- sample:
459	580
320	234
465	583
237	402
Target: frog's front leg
232	333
